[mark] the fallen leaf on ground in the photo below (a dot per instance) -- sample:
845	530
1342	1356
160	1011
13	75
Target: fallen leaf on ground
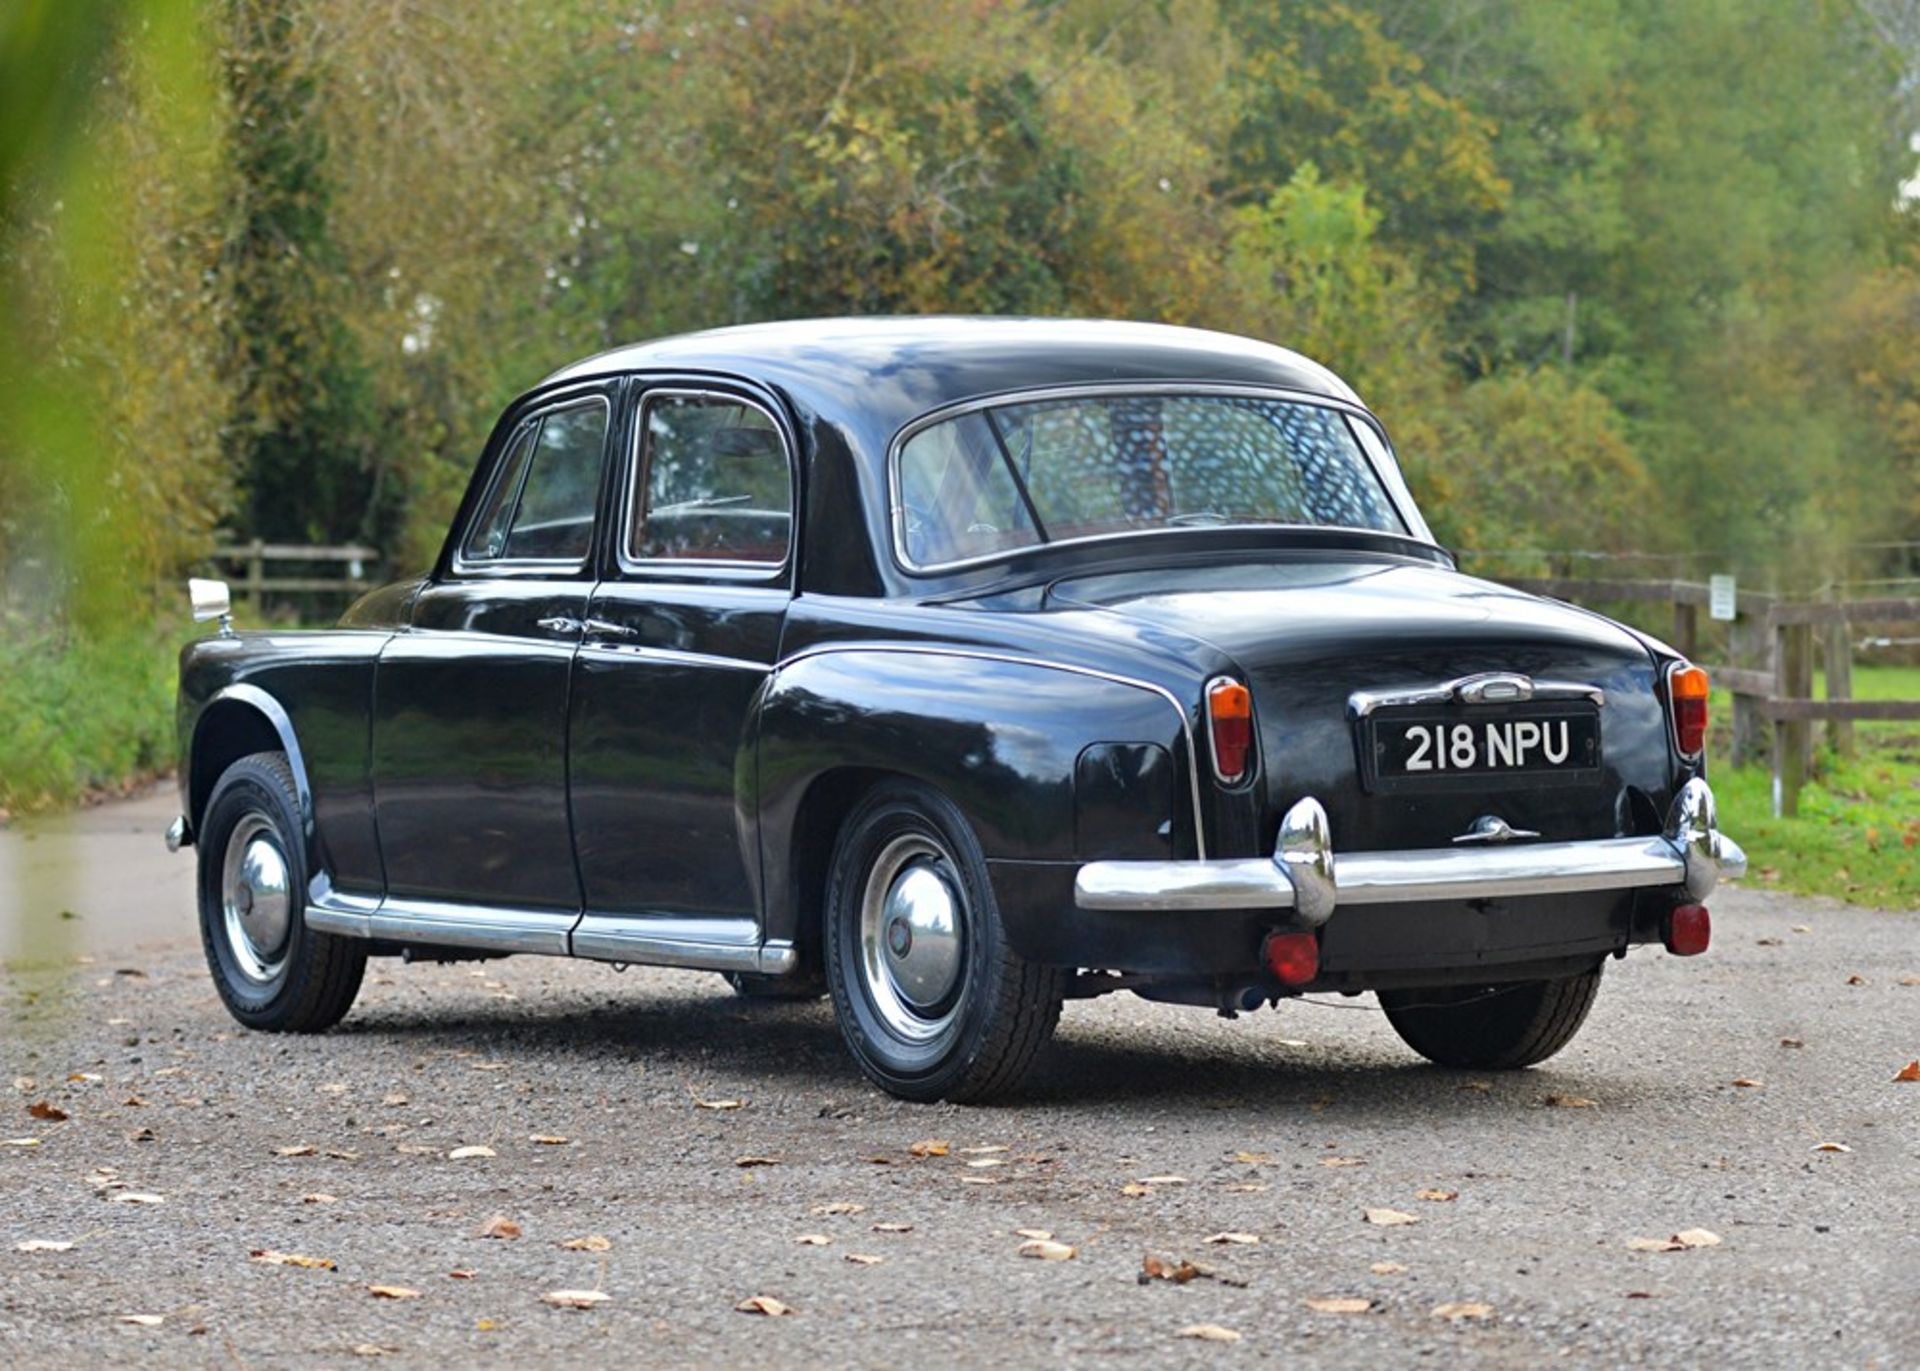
461	1275
1803	928
1570	1102
392	1292
1475	1085
1856	979
1046	1250
499	1226
930	1147
1437	1196
764	1304
1208	1332
461	1154
1248	1188
984	1149
341	1154
1163	1180
756	1161
19	1142
1180	1273
863	1259
1340	1305
1387	1268
1769	942
1792	1042
1682	1241
1745	1082
1343	1161
137	1197
547	1139
1456	1310
269	1257
319	1197
1037	1234
371	1349
719	1104
1235	1239
1910	980
490	1066
1253	1158
1909	1072
296	1150
837	1207
575	1299
1831	1147
893	1228
395	1100
1389	1218
51	1113
42	1245
143	1320
982	1163
813	1240
593	1242
1134	1190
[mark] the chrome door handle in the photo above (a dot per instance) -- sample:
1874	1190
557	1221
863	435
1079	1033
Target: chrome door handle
559	623
602	628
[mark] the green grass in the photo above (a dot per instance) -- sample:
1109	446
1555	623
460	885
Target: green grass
1857	836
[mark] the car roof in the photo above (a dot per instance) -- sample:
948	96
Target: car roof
896	368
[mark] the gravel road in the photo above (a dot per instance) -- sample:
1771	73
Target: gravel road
1695	1099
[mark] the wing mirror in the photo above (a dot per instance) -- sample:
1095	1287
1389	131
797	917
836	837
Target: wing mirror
211	600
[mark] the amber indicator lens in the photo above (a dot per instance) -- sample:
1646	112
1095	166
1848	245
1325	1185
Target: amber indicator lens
1230	714
1687	688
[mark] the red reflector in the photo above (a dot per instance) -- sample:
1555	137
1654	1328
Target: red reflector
1230	715
1294	958
1687	688
1689	930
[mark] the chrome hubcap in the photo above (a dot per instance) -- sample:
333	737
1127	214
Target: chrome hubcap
256	899
912	937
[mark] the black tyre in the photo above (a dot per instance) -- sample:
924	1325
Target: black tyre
272	971
801	985
1492	1028
931	1000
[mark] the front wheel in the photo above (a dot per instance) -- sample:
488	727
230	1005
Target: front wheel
1492	1028
272	971
930	998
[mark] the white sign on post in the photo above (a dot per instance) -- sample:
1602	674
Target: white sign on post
1720	598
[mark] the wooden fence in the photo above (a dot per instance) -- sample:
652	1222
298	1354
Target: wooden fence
1771	644
257	558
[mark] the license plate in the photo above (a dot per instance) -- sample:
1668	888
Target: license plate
1459	746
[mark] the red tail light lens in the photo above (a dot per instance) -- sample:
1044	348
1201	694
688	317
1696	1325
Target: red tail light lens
1293	958
1687	699
1230	719
1689	930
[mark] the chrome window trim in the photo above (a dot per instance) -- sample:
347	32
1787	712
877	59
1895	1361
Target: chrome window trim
699	567
536	566
1470	690
1413	526
936	650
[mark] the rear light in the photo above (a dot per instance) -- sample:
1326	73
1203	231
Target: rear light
1230	721
1293	958
1687	700
1689	929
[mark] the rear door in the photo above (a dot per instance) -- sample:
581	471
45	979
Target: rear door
682	635
470	714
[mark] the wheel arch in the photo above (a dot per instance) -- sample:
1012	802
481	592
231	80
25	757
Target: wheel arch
236	722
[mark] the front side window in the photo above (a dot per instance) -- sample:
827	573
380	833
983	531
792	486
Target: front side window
541	505
1051	470
714	483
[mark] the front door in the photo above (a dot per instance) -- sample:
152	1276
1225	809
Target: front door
682	634
470	708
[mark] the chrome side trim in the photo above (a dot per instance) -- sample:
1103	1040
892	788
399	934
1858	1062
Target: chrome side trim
1486	687
935	650
457	925
701	944
1306	876
648	652
339	911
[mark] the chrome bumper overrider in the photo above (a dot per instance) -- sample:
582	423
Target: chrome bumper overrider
1305	875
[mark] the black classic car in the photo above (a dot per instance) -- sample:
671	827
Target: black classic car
954	668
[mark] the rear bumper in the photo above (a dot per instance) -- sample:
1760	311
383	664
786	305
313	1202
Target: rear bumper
1305	874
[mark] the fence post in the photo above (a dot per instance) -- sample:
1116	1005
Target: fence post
1792	738
1744	638
1686	630
256	572
1839	654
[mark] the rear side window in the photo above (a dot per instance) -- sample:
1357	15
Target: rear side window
714	483
542	502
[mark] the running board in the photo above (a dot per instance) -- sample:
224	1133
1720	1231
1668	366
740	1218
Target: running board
646	940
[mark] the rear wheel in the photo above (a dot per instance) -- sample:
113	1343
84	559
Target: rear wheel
1492	1028
930	998
272	971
